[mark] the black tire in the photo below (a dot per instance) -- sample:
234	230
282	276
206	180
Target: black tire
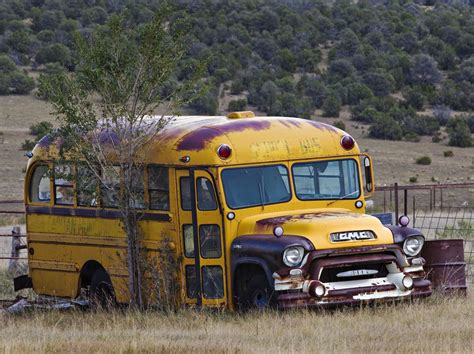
255	293
101	291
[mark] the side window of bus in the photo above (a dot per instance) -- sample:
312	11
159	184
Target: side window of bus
86	186
64	184
185	193
188	241
158	188
110	187
137	198
206	195
40	188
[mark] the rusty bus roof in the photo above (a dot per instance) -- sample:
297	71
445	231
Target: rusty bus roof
252	140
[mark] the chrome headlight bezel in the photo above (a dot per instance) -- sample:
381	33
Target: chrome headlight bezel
293	255
413	245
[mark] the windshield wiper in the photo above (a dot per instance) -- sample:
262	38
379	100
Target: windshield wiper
343	197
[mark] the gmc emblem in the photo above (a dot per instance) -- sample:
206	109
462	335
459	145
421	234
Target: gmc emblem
352	236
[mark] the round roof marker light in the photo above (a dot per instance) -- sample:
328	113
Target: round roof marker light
185	159
347	142
359	204
278	231
224	151
231	216
404	220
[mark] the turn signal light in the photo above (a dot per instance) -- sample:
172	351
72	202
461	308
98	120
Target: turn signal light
224	151
347	142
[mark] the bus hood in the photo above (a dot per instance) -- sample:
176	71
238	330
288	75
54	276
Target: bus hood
325	228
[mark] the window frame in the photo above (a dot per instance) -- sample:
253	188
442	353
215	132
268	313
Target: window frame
219	240
72	186
101	188
327	160
181	194
212	191
148	189
221	288
47	164
290	191
78	166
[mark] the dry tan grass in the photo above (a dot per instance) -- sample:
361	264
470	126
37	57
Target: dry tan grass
433	325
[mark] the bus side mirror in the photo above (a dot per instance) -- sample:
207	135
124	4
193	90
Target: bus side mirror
368	175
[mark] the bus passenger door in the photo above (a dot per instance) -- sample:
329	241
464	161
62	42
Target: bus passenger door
202	239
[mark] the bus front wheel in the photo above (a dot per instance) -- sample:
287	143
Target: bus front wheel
256	294
101	291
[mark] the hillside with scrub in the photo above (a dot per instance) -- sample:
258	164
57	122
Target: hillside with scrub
383	70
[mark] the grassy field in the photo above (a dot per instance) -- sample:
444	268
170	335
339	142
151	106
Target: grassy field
433	325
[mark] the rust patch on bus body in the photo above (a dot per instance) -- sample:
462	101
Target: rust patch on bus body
278	220
45	141
198	139
300	123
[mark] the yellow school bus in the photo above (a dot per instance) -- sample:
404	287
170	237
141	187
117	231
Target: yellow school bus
259	211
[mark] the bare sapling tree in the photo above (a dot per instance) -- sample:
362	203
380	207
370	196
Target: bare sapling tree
104	111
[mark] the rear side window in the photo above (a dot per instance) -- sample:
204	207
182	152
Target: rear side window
110	186
40	187
158	188
86	187
64	184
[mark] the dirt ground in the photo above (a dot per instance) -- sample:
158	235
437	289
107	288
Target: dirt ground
394	160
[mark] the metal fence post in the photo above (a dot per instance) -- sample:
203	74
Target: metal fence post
396	203
15	253
414	213
405	202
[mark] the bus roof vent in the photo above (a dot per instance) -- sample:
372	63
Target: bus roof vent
243	114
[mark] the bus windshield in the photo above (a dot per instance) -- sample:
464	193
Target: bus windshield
325	180
251	186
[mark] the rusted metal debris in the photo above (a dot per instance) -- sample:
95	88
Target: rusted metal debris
42	303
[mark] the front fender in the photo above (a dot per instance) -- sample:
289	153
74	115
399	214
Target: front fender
400	234
265	251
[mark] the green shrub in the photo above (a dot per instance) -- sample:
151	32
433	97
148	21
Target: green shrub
41	129
237	105
331	106
436	138
339	124
6	65
38	130
413	179
4	84
54	53
448	153
237	87
20	83
423	160
411	136
459	133
385	127
28	145
414	98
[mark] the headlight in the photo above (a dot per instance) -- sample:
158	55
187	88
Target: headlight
293	256
412	245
